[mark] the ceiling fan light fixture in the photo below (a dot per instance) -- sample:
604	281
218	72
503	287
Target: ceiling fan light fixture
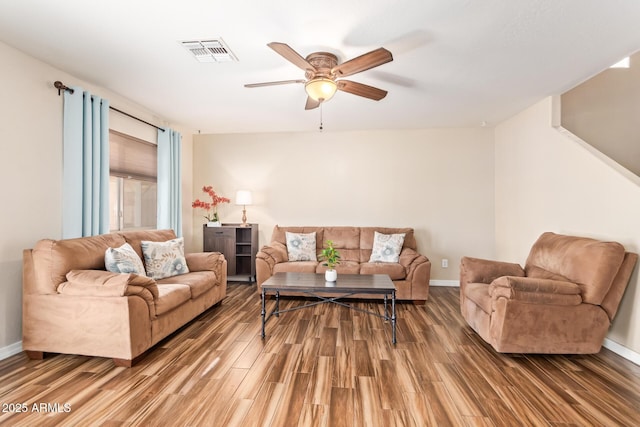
320	89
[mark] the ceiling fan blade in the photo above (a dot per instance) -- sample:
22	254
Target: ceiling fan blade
311	103
281	82
291	55
363	62
360	89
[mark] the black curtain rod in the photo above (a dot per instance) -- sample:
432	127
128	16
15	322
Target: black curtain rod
135	118
61	87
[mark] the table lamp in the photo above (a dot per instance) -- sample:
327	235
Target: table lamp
243	197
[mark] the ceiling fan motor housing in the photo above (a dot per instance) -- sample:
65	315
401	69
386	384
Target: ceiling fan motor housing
323	62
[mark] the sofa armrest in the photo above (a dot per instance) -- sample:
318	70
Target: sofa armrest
410	259
266	259
208	261
276	251
536	291
118	327
418	273
204	261
477	270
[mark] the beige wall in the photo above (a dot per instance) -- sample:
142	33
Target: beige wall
31	168
604	112
548	181
438	181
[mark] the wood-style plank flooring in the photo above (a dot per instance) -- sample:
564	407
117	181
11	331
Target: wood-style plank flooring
323	366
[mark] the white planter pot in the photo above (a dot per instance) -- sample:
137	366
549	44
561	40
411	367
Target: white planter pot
214	224
330	275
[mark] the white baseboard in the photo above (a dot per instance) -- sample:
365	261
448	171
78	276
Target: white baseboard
621	350
10	350
455	283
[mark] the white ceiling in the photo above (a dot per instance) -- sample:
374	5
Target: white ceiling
456	62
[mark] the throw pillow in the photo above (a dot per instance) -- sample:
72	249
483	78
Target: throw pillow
301	246
123	260
164	259
386	247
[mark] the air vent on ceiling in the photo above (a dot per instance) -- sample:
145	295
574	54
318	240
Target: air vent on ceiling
214	50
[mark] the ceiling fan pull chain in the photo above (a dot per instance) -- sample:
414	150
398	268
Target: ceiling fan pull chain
321	127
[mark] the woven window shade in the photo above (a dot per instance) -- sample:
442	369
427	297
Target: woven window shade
131	157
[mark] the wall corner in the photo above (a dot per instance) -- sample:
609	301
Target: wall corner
556	111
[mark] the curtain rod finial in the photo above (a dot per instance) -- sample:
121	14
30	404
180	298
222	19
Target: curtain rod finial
60	86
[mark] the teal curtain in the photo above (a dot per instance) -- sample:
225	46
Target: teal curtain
170	180
85	204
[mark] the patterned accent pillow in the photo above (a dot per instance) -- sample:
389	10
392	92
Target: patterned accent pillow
164	259
123	260
386	247
301	247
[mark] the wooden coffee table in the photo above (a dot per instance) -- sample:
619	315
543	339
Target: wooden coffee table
315	286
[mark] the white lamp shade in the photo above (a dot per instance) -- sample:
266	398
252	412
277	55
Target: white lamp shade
243	197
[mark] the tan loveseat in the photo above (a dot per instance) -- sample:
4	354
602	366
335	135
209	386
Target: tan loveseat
563	301
108	314
410	275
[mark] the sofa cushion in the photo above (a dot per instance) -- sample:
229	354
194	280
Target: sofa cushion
541	273
199	281
346	240
103	283
279	234
590	263
172	295
535	290
123	260
94	283
164	259
395	270
345	267
301	246
135	238
386	247
295	267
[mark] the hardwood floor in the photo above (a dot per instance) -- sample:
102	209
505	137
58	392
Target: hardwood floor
323	366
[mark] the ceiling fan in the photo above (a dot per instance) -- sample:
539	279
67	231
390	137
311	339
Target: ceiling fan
322	72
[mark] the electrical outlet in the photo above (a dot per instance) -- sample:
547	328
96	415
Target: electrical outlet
445	263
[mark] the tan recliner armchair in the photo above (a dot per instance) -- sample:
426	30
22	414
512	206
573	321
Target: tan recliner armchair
562	302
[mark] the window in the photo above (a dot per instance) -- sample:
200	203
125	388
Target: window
132	183
132	203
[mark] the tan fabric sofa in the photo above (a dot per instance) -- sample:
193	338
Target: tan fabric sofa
97	313
562	301
410	275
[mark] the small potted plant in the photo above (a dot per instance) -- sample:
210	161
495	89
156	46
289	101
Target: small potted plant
211	207
331	258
